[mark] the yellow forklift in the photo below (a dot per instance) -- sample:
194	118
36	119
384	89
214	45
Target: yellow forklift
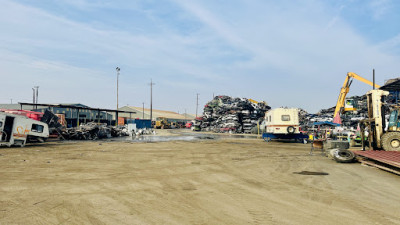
378	137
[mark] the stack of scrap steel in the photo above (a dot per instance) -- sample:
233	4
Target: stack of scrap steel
349	119
93	131
88	131
234	115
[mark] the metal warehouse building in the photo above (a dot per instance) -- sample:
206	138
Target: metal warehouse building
72	115
145	114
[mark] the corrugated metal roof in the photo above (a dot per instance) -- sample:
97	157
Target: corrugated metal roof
18	106
388	157
391	85
157	113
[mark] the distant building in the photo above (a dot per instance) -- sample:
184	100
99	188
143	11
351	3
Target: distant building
145	114
71	114
18	107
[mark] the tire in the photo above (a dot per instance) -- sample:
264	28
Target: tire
391	141
344	156
291	130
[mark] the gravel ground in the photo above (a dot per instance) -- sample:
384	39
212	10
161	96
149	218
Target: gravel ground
223	181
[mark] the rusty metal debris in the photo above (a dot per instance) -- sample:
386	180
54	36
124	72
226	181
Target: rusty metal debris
94	131
88	131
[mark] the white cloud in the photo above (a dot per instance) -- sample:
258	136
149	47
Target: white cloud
379	8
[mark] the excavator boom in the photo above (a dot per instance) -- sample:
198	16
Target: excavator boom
346	88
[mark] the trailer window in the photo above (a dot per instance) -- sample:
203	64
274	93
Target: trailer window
285	118
37	128
1	124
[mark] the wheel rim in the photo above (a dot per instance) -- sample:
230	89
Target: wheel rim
395	143
344	154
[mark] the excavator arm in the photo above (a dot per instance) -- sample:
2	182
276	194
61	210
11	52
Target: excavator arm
346	88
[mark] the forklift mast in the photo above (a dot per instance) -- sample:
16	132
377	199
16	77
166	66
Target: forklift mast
376	115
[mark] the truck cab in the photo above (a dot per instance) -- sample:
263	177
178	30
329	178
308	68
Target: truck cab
17	130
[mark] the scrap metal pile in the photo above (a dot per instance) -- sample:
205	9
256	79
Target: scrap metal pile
93	131
349	119
88	131
234	115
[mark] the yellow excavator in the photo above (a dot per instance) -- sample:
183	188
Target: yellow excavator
162	123
340	104
256	102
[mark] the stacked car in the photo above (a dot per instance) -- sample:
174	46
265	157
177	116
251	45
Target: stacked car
233	115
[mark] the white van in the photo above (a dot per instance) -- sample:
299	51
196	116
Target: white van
282	121
16	130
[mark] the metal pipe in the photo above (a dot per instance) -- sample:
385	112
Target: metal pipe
373	78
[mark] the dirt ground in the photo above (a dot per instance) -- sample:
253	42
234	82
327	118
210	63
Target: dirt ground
227	181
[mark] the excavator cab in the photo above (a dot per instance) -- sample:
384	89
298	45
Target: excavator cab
394	122
350	105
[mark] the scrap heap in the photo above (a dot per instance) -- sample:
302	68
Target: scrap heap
234	115
349	119
88	131
93	131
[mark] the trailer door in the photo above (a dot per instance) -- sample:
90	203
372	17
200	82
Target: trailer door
8	126
2	122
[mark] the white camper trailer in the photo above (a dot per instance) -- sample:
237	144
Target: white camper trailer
282	123
16	130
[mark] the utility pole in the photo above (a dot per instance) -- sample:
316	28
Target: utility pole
151	99
197	103
185	115
33	100
37	95
11	101
35	90
116	112
143	111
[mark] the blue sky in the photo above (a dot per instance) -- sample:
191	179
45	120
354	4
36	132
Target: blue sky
288	53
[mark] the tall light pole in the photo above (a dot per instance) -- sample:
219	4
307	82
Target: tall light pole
151	99
116	112
117	69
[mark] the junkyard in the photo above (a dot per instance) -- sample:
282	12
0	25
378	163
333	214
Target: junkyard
240	162
200	112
